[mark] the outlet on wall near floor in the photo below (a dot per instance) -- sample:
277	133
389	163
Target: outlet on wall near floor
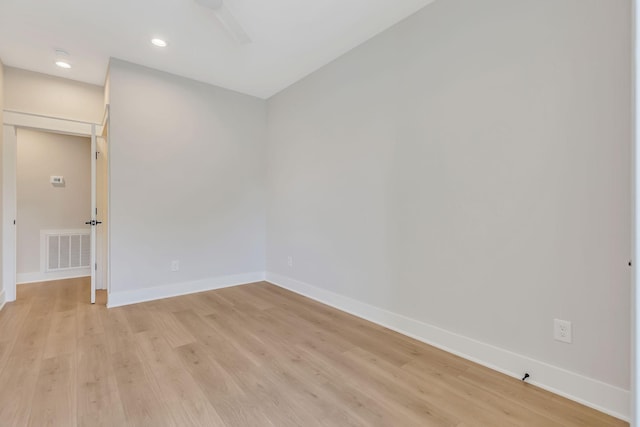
562	330
290	261
175	265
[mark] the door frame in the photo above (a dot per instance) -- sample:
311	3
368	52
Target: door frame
12	121
103	267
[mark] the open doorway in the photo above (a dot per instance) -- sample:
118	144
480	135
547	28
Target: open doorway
53	193
62	245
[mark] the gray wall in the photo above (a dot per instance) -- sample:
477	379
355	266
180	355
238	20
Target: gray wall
469	168
41	205
187	179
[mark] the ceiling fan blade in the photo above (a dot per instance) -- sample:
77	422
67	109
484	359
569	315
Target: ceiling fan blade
210	4
227	19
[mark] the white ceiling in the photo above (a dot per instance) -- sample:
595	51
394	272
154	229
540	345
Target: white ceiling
291	38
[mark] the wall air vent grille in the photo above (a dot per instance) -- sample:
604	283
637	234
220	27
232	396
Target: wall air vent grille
67	250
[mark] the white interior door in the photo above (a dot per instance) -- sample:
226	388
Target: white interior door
9	161
93	222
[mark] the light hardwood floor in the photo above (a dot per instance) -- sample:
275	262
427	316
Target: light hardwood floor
252	355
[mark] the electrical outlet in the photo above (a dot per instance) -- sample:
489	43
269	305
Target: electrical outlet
175	265
290	261
562	330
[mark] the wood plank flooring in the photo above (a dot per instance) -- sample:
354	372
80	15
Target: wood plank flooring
252	355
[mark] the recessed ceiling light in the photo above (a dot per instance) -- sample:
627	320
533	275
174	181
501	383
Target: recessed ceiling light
63	64
159	42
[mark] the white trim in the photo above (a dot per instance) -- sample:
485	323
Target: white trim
590	392
117	299
106	126
47	124
2	299
105	269
38	276
9	160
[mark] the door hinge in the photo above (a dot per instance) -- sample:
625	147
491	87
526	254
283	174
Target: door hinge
96	155
14	222
96	266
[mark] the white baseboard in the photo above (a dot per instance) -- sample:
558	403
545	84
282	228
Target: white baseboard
3	299
38	276
117	299
587	391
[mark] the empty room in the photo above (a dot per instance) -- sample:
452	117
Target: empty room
318	213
